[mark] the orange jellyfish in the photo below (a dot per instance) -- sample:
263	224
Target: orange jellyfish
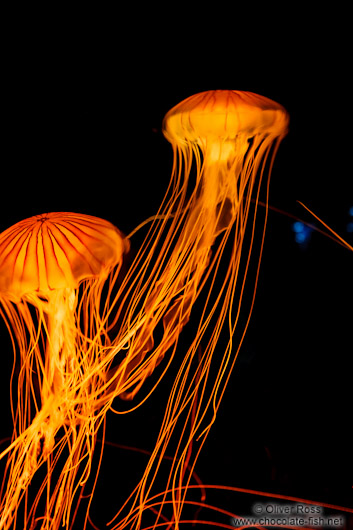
52	271
223	142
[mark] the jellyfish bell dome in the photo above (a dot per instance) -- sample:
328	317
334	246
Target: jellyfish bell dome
57	250
224	114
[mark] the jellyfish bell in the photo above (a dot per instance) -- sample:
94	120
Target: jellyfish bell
228	127
224	114
55	251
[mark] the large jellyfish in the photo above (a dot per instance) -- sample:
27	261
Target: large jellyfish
223	143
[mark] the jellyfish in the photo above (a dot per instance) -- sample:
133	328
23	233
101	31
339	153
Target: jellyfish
45	261
228	135
224	142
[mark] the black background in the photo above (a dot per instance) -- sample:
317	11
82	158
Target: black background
81	131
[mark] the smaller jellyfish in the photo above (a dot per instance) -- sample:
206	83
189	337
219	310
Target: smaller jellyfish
44	262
